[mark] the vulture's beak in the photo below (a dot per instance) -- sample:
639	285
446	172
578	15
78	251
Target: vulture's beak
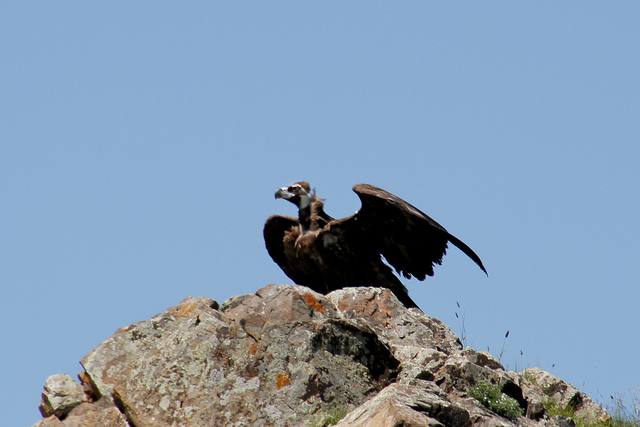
282	193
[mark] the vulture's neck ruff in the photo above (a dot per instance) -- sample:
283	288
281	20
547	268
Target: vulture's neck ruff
304	214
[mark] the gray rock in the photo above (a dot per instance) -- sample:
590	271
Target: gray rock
287	356
272	358
102	413
61	394
541	386
407	404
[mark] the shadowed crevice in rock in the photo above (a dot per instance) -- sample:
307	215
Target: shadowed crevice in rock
360	344
121	407
515	392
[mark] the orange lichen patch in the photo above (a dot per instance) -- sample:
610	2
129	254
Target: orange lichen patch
348	305
253	349
314	303
282	380
386	312
186	310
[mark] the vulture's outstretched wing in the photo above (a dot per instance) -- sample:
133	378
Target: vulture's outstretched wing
274	231
409	240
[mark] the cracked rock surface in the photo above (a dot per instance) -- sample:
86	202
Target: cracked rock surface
287	356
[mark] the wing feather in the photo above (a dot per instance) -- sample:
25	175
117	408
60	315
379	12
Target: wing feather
274	233
410	240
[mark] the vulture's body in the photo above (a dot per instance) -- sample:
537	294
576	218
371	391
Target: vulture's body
325	254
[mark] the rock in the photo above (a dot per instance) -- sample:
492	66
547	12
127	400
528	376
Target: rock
416	404
51	421
541	386
244	363
65	404
61	394
288	356
103	413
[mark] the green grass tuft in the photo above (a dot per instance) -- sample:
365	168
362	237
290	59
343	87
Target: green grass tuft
332	417
495	400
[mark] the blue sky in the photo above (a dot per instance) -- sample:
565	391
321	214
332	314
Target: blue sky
142	144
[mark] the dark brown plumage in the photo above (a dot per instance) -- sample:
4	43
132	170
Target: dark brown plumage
325	254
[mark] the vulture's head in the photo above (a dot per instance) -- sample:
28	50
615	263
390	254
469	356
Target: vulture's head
298	193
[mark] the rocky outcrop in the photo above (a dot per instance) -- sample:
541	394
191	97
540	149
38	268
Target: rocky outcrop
287	356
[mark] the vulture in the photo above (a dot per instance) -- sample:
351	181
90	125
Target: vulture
325	254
